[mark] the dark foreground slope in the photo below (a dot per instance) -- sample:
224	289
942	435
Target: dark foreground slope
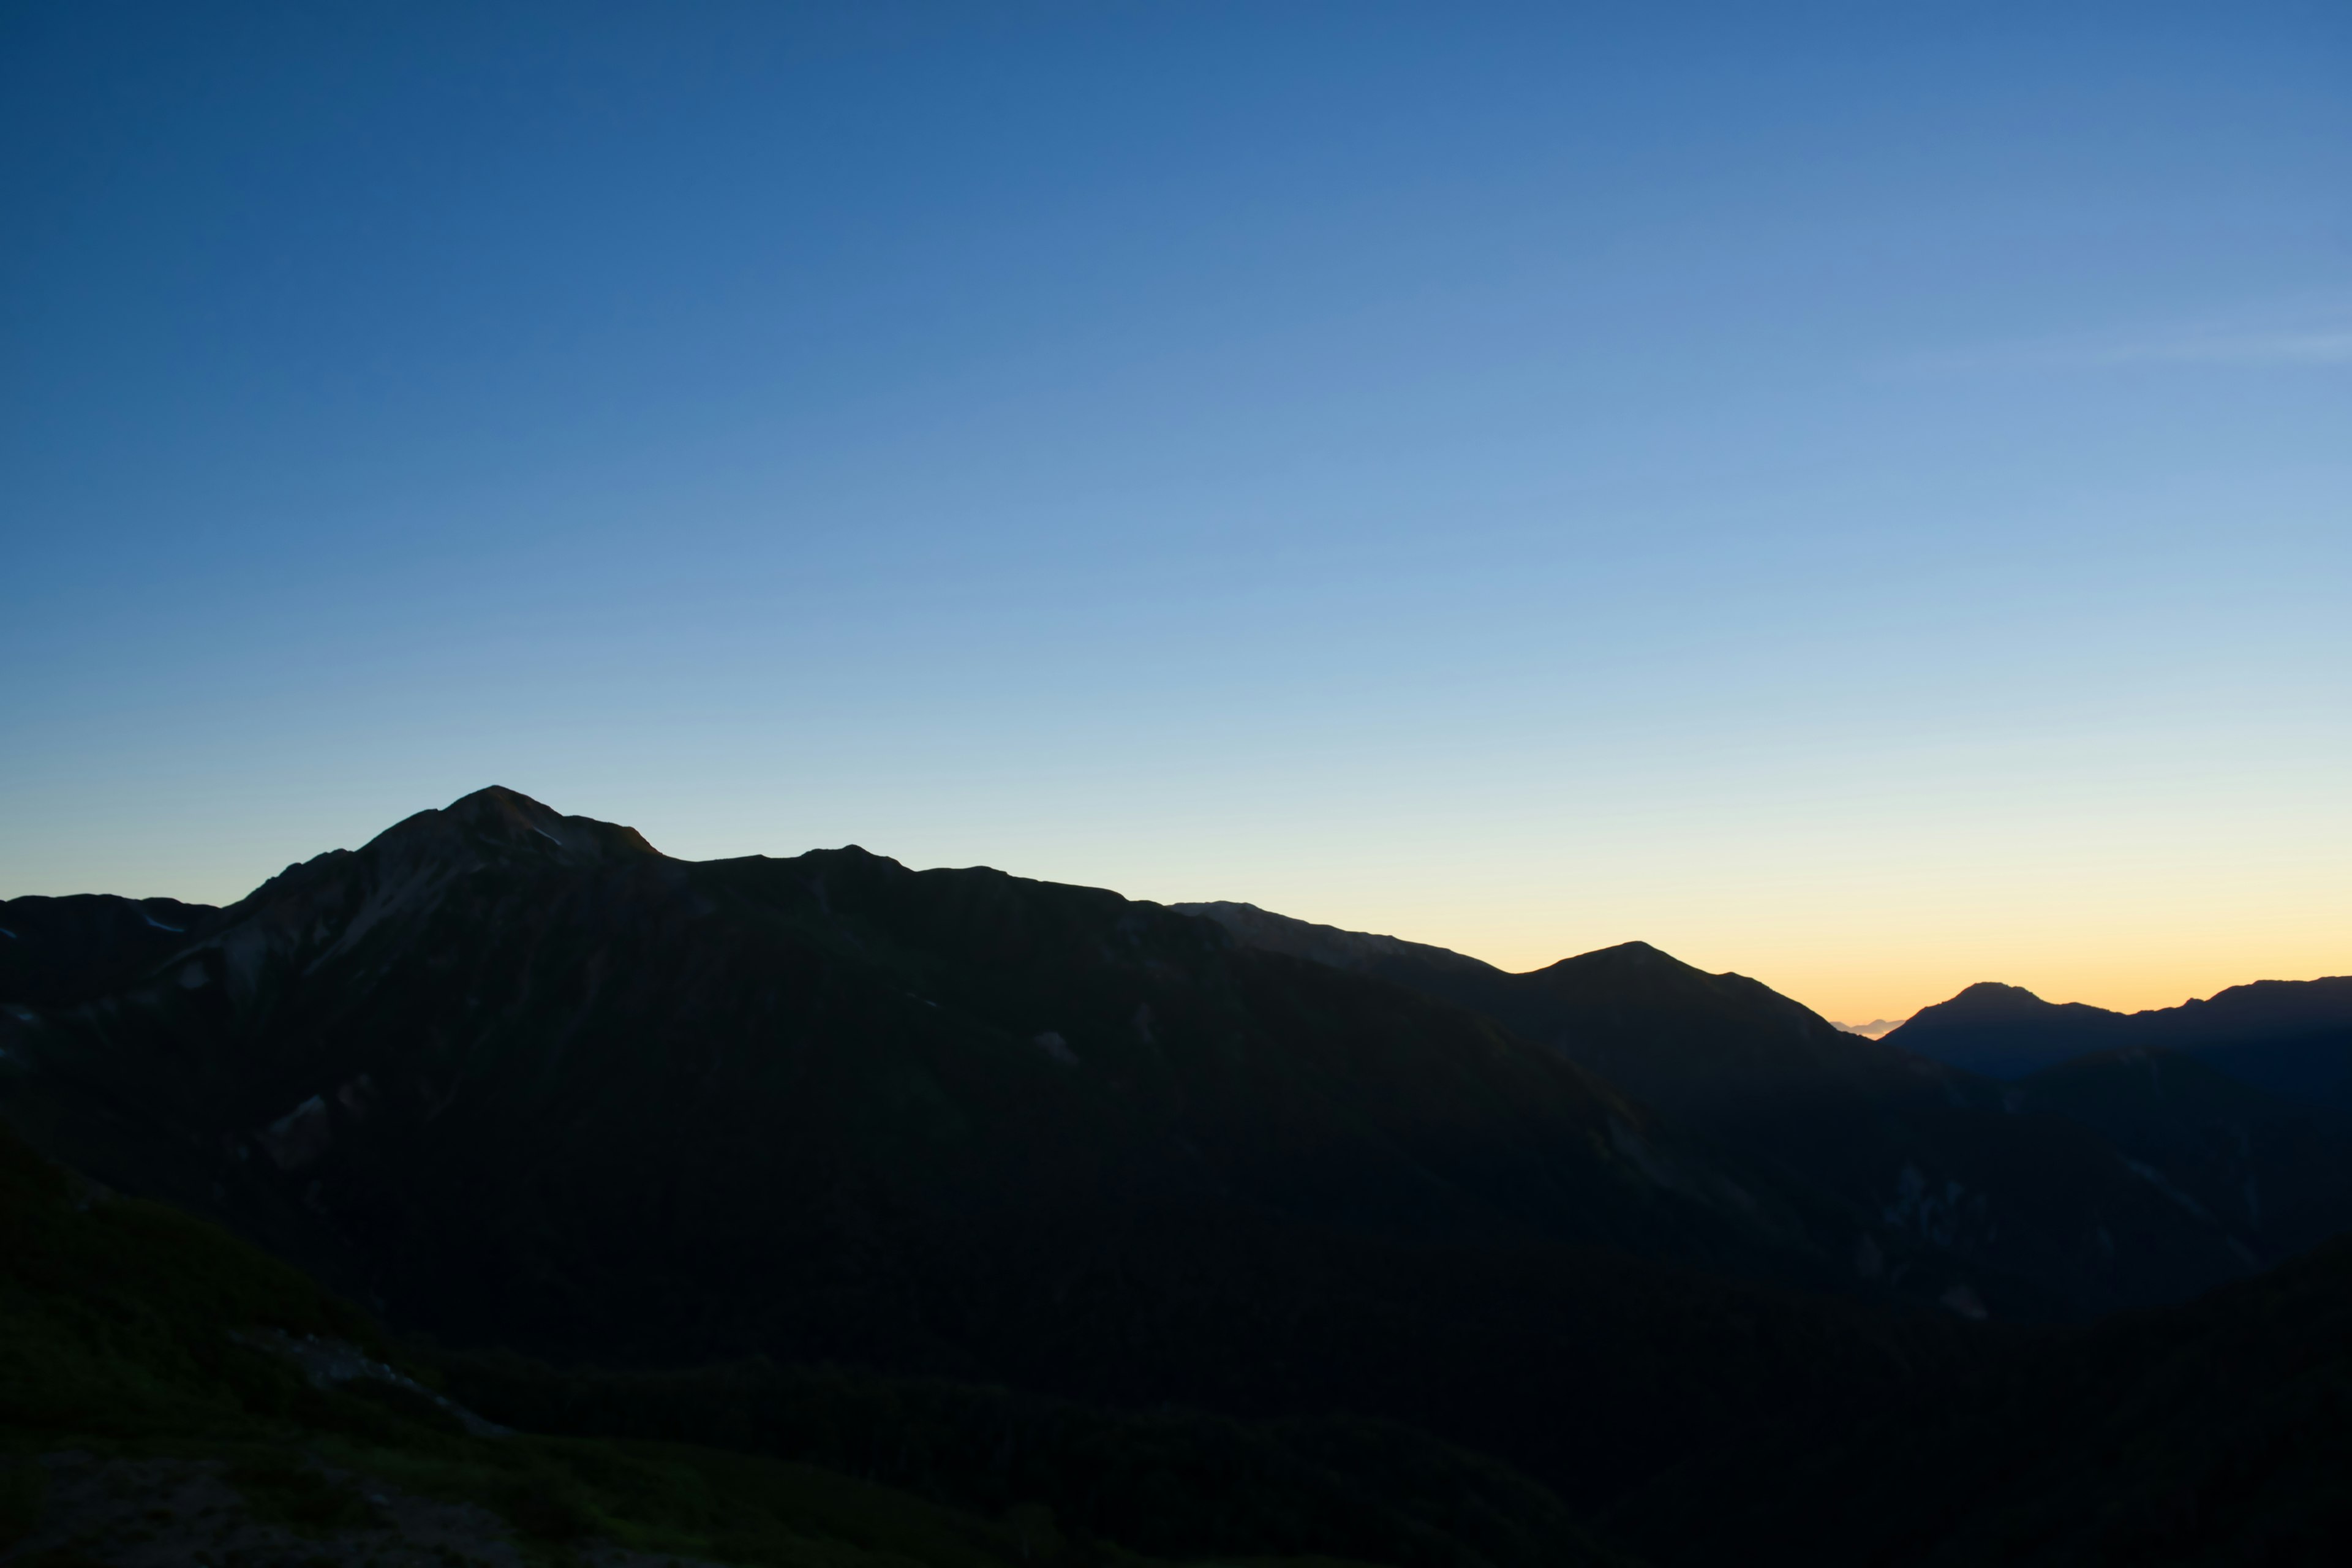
2026	1198
2292	1038
521	1081
164	1388
168	1394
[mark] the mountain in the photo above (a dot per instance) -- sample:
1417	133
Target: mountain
821	1210
2006	1031
1877	1028
2046	1215
2291	1037
516	1080
85	944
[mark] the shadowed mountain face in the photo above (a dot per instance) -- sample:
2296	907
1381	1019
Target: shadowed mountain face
2214	1433
71	949
2291	1037
521	1080
2046	1214
2221	1147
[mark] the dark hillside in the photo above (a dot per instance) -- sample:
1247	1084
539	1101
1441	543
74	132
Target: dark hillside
149	1362
2278	1170
2212	1434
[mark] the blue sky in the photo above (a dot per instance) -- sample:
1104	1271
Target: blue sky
1854	494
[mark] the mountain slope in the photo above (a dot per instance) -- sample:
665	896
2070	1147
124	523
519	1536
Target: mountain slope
1357	953
2034	1212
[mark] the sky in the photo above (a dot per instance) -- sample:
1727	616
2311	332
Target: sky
1857	495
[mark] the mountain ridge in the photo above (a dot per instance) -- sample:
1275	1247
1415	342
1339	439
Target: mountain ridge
1967	1164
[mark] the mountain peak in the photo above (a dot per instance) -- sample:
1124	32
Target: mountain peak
1987	995
1623	956
498	818
2004	1030
1989	1001
496	798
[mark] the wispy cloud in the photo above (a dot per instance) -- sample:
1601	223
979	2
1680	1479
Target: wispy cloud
2310	342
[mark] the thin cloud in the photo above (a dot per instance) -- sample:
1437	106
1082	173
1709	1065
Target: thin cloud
2326	346
2308	344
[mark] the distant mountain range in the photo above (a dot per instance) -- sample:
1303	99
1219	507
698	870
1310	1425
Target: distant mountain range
2291	1037
2058	1207
517	1081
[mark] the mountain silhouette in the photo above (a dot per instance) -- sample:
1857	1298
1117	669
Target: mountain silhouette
1215	1231
2291	1038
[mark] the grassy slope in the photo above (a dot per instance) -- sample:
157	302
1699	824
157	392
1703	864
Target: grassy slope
117	1335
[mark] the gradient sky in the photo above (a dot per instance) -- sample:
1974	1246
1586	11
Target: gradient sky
1860	495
